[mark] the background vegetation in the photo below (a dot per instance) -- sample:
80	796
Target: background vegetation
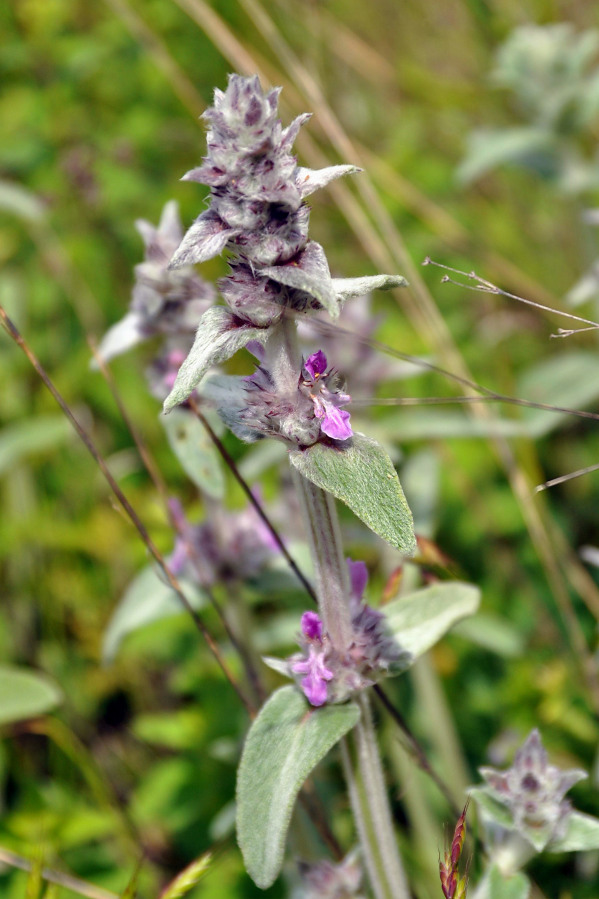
100	119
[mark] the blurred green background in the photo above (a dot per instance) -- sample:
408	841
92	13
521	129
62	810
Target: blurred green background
99	110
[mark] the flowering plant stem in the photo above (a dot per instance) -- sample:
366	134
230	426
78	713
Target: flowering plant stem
370	806
330	567
364	775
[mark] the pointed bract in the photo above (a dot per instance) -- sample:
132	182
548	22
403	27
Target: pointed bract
310	180
206	238
355	287
220	334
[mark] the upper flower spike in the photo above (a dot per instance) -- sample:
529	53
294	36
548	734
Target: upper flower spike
256	187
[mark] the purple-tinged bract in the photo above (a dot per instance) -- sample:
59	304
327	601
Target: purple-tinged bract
534	791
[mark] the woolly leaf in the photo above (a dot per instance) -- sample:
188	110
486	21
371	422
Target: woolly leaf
195	451
25	694
220	334
491	810
285	743
497	885
357	287
123	336
418	620
207	237
310	275
582	833
360	473
310	180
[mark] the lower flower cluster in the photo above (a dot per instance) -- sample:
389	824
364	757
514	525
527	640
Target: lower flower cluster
326	675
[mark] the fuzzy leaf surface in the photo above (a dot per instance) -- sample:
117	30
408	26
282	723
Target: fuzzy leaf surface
418	620
206	238
122	336
285	743
361	474
357	287
582	833
146	599
311	276
220	334
310	180
25	694
496	885
195	451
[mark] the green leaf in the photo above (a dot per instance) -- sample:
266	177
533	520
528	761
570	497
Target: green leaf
147	599
442	424
25	694
21	202
285	743
490	148
194	449
33	435
492	633
496	885
187	878
490	809
582	832
362	475
218	337
569	380
420	619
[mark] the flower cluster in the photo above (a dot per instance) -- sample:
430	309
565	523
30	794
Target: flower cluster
226	547
533	791
326	675
256	406
257	211
257	191
163	302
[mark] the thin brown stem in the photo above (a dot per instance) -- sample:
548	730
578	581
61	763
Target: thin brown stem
15	335
230	462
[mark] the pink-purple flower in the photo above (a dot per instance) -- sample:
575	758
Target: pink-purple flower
328	675
326	396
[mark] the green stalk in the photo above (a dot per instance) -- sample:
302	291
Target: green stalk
370	806
363	767
330	567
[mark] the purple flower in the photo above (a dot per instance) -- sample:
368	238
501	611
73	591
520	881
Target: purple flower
358	575
311	626
327	398
258	406
317	674
332	676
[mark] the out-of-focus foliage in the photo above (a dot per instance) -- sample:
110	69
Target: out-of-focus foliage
99	110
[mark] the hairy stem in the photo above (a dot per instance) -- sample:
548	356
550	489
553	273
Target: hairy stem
364	776
330	567
368	796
